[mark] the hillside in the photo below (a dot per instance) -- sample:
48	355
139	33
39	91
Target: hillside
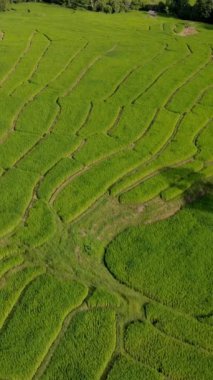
106	136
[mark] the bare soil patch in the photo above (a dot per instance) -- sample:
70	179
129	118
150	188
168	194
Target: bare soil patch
188	31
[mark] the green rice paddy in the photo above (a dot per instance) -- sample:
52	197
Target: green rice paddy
106	136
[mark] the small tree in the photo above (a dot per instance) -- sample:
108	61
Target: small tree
185	9
107	8
137	4
181	8
161	7
203	10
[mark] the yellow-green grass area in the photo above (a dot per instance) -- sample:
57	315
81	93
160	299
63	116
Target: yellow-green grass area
166	354
9	262
50	299
86	346
13	287
169	263
127	368
105	130
166	262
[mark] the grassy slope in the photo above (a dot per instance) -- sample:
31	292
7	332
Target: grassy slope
106	125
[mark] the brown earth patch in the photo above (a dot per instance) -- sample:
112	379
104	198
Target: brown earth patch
188	31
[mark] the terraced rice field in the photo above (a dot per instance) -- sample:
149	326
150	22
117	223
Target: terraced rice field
105	128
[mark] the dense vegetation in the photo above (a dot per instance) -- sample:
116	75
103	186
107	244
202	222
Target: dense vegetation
105	128
201	10
162	262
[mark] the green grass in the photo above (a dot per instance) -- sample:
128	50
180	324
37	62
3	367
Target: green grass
40	226
9	262
162	262
83	191
179	326
166	354
184	146
102	297
51	300
103	115
85	348
47	153
157	182
105	130
130	369
56	175
34	50
16	147
14	203
204	144
13	287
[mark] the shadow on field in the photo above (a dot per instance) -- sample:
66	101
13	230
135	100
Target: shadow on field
191	186
207	26
203	198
